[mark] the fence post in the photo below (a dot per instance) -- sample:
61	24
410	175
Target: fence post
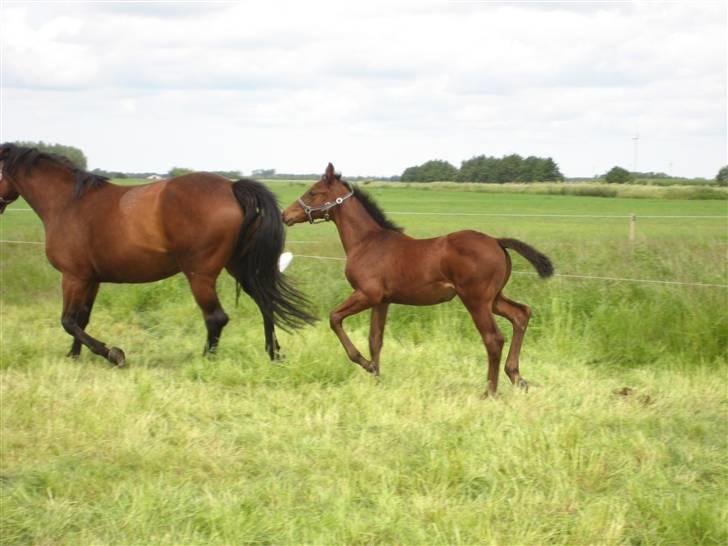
632	225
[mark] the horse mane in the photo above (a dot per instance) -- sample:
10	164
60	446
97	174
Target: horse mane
371	206
14	158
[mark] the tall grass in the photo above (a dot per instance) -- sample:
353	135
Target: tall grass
620	440
593	189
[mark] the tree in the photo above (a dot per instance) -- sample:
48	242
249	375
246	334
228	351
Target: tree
75	155
722	177
431	171
550	171
179	171
480	168
263	173
618	175
509	168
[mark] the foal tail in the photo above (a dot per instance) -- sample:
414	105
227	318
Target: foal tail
254	263
541	262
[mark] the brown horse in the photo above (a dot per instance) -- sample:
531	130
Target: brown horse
198	224
385	266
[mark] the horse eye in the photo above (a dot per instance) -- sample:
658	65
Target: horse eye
310	193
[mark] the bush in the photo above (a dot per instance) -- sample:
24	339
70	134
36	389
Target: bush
722	177
430	171
618	175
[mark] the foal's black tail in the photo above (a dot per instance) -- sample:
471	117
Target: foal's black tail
541	262
254	263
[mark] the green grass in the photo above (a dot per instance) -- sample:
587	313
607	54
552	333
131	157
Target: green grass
180	449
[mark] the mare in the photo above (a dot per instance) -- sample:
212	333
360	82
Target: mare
197	224
384	266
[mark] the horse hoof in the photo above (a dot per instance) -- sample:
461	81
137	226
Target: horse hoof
523	385
116	356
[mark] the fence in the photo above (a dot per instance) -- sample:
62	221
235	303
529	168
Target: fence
631	218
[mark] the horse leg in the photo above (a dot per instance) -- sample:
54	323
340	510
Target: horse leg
376	333
84	314
493	340
203	289
518	314
352	305
76	294
271	341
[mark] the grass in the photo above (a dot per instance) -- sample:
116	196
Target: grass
620	440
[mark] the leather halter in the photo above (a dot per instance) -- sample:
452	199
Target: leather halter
325	207
4	201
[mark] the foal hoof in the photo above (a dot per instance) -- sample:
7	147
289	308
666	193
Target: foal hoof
523	385
116	356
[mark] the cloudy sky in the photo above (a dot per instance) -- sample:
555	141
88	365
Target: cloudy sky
372	86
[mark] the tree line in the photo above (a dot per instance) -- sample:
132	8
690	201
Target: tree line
482	168
75	155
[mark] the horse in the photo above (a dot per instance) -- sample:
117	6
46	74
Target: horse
385	266
197	224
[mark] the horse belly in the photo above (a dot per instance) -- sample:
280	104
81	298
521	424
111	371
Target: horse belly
136	267
431	294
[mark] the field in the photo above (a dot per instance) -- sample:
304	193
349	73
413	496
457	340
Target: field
622	438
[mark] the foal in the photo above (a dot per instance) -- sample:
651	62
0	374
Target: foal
385	266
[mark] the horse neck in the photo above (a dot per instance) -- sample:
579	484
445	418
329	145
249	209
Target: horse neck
353	223
46	191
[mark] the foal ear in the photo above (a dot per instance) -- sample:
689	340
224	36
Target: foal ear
329	175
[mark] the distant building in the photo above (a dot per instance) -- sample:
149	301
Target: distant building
155	177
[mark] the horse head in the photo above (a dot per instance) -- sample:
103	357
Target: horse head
8	192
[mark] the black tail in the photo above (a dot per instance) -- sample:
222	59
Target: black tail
541	262
254	263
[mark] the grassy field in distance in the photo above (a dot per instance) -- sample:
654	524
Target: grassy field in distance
620	440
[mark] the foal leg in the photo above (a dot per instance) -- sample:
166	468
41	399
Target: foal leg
376	333
518	314
203	289
352	305
492	338
84	314
76	294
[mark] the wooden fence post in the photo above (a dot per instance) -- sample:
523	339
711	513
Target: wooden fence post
632	225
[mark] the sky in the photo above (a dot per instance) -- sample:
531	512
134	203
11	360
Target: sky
374	87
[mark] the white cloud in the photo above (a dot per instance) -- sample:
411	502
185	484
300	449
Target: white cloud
373	87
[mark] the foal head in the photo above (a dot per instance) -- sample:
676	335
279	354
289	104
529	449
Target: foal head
8	192
330	191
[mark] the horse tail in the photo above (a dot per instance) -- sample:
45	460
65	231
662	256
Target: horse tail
254	262
539	261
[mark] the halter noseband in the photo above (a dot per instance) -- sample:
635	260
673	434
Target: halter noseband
325	207
4	201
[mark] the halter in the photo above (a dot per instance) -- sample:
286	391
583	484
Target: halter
325	207
4	201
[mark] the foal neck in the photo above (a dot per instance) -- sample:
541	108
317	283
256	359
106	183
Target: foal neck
354	223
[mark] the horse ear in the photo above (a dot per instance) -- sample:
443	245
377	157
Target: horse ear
330	175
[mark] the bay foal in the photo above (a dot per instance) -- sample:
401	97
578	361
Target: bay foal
384	266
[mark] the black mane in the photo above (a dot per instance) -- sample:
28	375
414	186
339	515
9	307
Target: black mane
373	209
14	158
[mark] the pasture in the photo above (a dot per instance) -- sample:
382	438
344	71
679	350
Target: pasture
620	440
